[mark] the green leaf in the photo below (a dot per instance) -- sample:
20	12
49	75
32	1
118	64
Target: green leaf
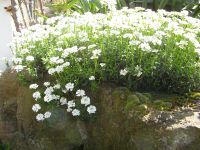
162	4
144	4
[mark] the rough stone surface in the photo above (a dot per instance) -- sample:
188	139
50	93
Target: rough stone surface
125	120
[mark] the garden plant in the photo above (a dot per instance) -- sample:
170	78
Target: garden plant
70	55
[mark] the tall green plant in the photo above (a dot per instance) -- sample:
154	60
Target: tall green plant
163	4
194	8
83	6
63	7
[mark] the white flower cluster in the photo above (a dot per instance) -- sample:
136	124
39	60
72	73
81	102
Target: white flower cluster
144	29
50	96
85	100
42	117
111	4
123	72
78	41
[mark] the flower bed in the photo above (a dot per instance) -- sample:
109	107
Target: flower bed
136	48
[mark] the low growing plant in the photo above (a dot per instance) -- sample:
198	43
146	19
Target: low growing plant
136	48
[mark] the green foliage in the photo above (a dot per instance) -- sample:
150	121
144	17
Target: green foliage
154	53
194	8
4	146
82	6
95	6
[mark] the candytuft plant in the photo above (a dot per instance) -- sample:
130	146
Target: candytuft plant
136	48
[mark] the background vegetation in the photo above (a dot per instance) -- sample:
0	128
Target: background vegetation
94	5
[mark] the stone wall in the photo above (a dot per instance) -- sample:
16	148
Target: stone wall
125	120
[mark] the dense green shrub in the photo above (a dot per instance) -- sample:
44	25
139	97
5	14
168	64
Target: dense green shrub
136	48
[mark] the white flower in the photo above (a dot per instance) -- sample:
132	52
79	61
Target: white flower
31	46
91	78
92	46
36	107
33	86
80	93
64	91
91	109
69	86
60	61
76	112
46	84
123	72
111	4
29	58
59	69
134	42
36	95
47	114
49	90
24	51
66	64
69	51
73	49
145	47
40	20
82	48
156	41
127	35
139	74
63	101
182	44
71	104
53	60
48	98
138	71
79	59
57	86
114	32
17	60
197	51
59	49
19	68
40	117
85	100
51	71
102	64
96	53
69	109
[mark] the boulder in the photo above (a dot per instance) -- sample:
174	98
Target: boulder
125	120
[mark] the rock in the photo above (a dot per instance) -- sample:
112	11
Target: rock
119	96
25	115
161	105
132	101
142	97
183	139
8	106
157	102
59	120
82	130
20	130
149	95
125	120
133	98
195	95
167	105
145	140
142	107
